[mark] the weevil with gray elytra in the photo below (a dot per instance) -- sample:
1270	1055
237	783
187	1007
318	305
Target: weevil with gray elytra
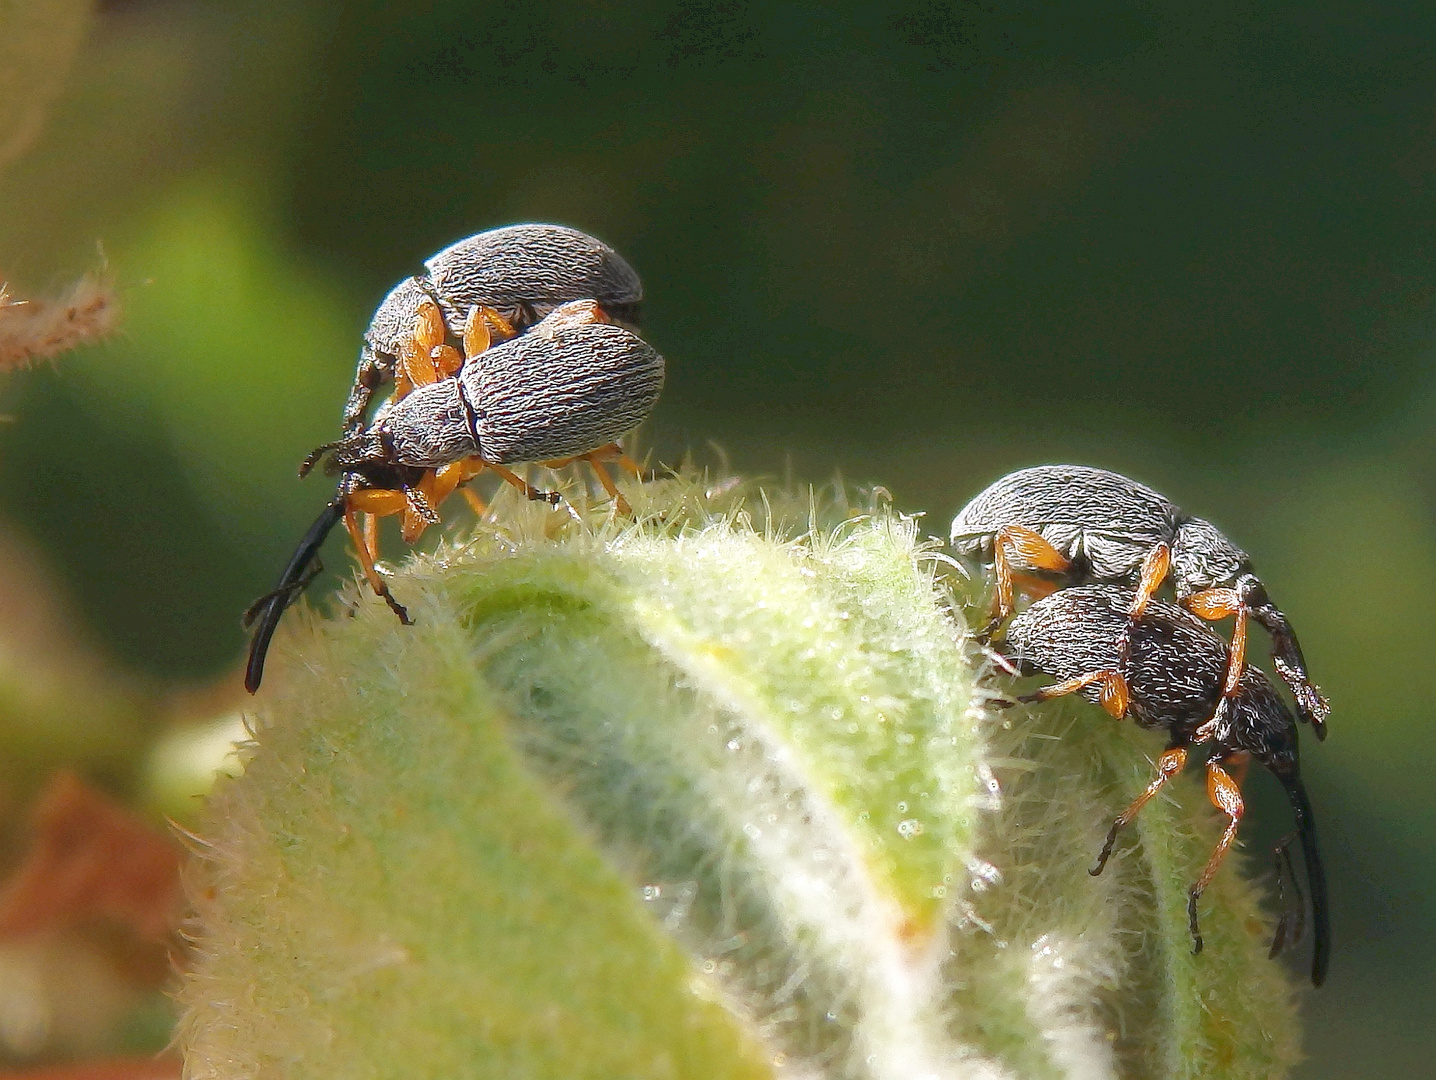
564	391
1174	670
1078	524
496	283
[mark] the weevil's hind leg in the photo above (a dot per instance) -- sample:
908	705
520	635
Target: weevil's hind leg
1168	765
1154	572
1015	544
596	464
1226	796
366	557
1115	697
530	492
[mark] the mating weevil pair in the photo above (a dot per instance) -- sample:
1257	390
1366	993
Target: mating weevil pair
549	372
1113	541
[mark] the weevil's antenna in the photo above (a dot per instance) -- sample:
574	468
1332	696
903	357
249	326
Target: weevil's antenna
1315	875
264	613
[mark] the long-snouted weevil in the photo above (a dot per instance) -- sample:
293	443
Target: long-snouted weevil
1174	672
562	392
493	284
1077	524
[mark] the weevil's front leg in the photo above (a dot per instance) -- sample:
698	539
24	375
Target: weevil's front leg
1214	604
1292	924
1016	544
1168	765
1154	572
372	371
436	486
1226	796
1115	697
1286	656
373	501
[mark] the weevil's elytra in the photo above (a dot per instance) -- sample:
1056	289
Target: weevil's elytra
1173	670
1073	523
520	272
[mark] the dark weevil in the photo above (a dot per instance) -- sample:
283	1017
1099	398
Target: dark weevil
1080	524
563	391
1174	671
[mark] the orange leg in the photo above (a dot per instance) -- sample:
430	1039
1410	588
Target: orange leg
1226	796
1114	690
482	328
476	504
595	459
1016	544
1214	604
1154	571
550	497
1168	765
366	560
416	352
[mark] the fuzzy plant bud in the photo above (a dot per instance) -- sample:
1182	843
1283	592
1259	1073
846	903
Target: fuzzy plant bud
682	798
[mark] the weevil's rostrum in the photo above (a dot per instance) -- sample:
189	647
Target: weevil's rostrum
1173	668
1077	524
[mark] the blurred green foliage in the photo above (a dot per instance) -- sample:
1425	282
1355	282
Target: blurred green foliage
920	242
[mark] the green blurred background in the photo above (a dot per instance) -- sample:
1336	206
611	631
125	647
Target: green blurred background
917	243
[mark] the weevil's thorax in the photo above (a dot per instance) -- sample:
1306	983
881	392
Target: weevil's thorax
430	427
1260	724
1203	558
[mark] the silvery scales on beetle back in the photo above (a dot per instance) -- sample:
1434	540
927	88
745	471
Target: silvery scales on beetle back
1076	524
1174	669
561	379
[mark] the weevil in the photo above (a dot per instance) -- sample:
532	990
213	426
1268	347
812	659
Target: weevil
512	277
562	392
1080	524
1174	672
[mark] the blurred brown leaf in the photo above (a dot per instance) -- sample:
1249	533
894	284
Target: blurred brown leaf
92	859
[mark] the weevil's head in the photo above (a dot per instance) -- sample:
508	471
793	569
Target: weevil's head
1203	558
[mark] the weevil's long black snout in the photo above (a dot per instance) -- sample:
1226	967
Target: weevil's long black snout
1315	875
265	613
